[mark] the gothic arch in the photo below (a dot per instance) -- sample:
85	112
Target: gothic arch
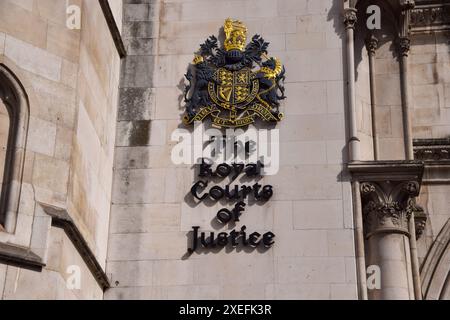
14	97
435	271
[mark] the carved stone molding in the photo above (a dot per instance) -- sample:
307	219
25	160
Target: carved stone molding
430	15
432	149
350	18
61	219
388	190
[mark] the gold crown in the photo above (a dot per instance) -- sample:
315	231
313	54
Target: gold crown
235	35
198	59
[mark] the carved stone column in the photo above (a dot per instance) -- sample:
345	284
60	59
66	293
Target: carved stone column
388	191
350	19
372	46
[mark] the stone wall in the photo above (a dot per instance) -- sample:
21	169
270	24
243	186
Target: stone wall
430	85
311	210
4	132
71	79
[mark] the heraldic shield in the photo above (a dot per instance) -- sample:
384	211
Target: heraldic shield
236	84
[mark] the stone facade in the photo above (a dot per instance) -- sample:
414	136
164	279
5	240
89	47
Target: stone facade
93	189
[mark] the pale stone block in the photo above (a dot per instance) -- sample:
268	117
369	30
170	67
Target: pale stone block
310	270
301	243
145	218
40	235
306	41
63	146
25	284
33	59
243	292
336	151
53	10
87	139
447	95
428	96
25	4
191	292
389	86
328	65
303	152
169	103
272	26
2	43
171	70
321	7
163	245
293	7
336	97
54	102
32	29
42	136
135	293
350	270
318	214
3	269
384	124
117	9
245	268
130	273
69	73
298	292
306	98
306	183
27	203
313	127
397	122
344	291
63	42
391	149
423	74
50	173
340	243
282	216
173	272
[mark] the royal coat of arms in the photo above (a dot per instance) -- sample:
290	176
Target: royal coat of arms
236	84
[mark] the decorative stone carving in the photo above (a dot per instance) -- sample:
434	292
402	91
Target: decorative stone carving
432	149
407	4
430	15
420	219
388	190
387	206
404	44
371	44
350	18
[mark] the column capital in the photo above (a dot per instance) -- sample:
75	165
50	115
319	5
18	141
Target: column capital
371	44
388	191
404	45
350	18
388	206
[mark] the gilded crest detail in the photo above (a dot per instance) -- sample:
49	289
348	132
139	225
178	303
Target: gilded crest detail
236	84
